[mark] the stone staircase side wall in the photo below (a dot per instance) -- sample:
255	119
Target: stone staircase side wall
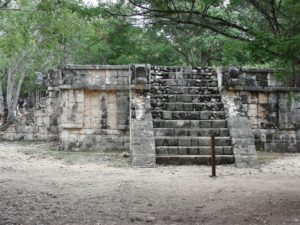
142	143
240	132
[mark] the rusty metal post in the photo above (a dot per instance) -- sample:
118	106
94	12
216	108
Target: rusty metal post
213	155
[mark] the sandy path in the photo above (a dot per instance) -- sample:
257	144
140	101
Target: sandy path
44	190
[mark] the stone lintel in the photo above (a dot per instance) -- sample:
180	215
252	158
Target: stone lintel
264	89
140	87
97	67
100	87
71	126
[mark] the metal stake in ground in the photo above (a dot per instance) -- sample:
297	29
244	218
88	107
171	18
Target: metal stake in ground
213	155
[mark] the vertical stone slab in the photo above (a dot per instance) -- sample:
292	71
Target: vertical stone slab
242	141
123	109
296	112
240	132
142	144
283	111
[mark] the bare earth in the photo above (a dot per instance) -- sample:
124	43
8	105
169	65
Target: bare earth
40	186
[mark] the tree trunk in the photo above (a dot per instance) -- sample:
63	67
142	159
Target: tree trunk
12	97
2	107
296	73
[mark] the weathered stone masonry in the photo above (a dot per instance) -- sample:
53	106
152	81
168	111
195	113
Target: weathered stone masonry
270	106
94	107
165	114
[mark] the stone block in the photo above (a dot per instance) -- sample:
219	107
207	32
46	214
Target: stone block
252	111
167	115
204	141
182	151
231	94
252	98
53	137
111	77
205	124
219	124
253	122
123	81
172	150
205	115
41	137
11	129
252	107
184	142
179	75
272	81
28	137
223	141
184	98
28	129
171	82
79	96
71	96
46	121
123	73
273	98
64	96
39	121
263	98
95	77
262	111
161	151
227	150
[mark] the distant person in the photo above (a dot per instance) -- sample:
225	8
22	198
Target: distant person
21	107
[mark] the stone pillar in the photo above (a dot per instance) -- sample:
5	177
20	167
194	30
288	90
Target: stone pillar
240	132
142	144
297	126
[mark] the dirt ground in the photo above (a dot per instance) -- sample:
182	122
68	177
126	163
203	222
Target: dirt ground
42	186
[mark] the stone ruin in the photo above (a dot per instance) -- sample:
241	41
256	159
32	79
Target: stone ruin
165	115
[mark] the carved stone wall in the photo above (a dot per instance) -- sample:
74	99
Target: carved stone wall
94	107
269	105
39	123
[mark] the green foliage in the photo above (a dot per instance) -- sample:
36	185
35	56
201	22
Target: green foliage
202	32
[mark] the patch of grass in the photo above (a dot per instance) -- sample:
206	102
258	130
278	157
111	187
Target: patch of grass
267	157
109	157
94	157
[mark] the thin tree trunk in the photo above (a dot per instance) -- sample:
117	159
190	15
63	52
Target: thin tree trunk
2	111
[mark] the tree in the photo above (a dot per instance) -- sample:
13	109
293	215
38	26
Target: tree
269	29
42	34
32	39
4	3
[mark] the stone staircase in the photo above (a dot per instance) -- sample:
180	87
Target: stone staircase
187	109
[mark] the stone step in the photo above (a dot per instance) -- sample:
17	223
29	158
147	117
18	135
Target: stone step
190	141
190	124
163	75
183	90
190	115
200	132
186	98
193	159
181	106
184	82
193	150
170	69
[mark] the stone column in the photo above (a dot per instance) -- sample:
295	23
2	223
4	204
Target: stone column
142	143
297	126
